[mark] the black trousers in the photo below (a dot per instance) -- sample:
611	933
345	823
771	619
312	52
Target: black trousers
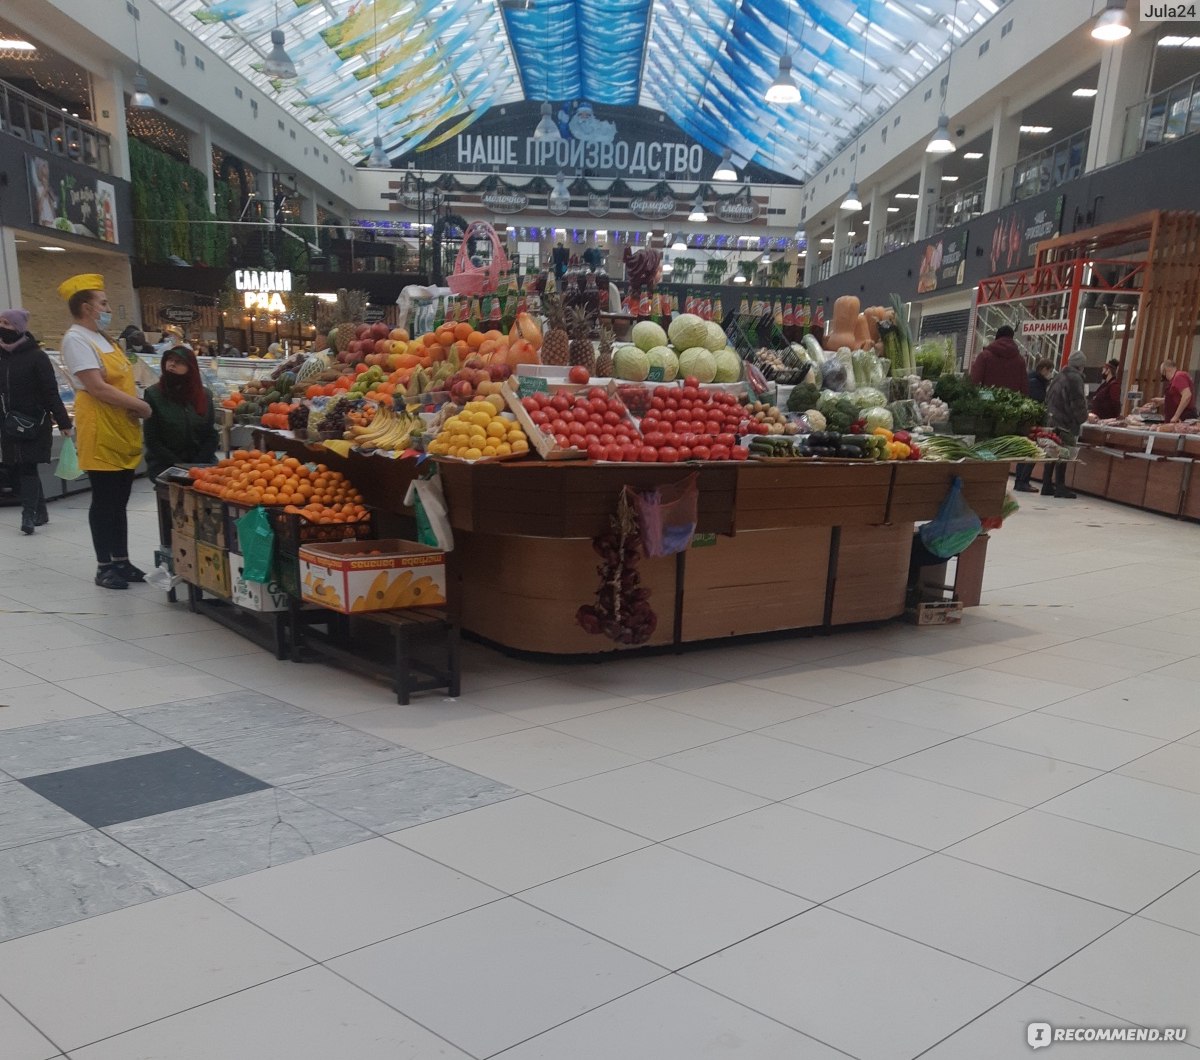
27	484
106	516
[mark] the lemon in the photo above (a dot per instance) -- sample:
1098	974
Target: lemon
516	436
497	429
459	440
497	402
477	434
520	446
473	453
481	419
489	450
503	449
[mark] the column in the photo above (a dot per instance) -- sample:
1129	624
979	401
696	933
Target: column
1002	155
930	190
10	278
308	206
200	157
810	261
109	96
879	218
1124	80
264	182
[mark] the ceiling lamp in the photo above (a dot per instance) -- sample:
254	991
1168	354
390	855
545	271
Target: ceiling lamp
698	215
142	99
546	131
679	243
379	157
725	170
784	88
852	203
739	277
560	197
668	267
278	64
941	144
1112	24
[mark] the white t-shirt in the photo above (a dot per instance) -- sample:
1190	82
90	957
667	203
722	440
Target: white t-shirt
80	350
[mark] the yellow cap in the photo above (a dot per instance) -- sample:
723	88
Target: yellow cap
85	281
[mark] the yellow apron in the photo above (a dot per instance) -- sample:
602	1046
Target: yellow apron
108	438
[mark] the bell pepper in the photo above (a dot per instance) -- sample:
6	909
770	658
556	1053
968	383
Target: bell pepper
883	433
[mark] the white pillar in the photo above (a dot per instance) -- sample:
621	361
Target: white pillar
10	277
200	157
811	260
108	94
929	192
1002	155
841	240
308	206
878	225
1124	80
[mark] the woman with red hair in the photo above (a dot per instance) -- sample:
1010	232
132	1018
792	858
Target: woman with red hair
182	429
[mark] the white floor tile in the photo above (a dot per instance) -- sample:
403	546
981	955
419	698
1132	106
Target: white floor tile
1141	971
904	667
1081	859
789	848
492	977
740	705
652	800
638	678
1135	807
671	1019
541	701
1135	658
22	1041
86	660
343	899
12	677
930	709
199	646
308	1015
109	974
1001	772
1180	907
994	920
773	769
1177	766
820	972
906	808
534	758
853	734
1165	707
823	684
429	724
518	843
645	730
1068	740
664	905
37	703
1010	690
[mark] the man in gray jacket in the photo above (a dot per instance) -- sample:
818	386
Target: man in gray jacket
1066	412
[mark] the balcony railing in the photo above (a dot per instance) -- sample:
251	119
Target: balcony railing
37	122
1048	168
899	233
1165	116
960	206
853	257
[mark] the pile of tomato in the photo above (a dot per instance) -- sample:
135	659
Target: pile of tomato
690	423
588	420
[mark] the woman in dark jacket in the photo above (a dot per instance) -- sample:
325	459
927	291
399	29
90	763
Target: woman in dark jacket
182	429
28	386
1106	402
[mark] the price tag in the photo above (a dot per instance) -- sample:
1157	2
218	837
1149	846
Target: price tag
532	384
987	395
703	540
657	374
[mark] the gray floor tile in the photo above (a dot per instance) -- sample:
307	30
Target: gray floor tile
142	786
220	840
219	717
300	750
28	818
412	789
45	885
57	745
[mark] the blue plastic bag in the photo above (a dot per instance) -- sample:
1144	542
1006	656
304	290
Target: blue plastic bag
954	527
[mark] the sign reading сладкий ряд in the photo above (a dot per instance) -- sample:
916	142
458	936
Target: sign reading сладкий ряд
1149	11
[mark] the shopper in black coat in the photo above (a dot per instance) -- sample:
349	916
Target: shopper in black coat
27	385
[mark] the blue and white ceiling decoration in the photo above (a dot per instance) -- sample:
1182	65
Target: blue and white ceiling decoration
427	70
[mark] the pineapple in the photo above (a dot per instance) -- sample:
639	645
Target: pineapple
580	350
556	344
604	363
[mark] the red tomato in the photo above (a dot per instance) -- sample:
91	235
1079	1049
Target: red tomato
691	389
673	440
598	405
578	374
577	441
596	451
668	454
663	392
672	403
648	455
540	416
655	438
631	451
727	440
713	427
739	452
720	452
562	441
612	417
613	452
530	404
685	453
580	415
607	437
597	392
658	404
691	381
560	402
701	452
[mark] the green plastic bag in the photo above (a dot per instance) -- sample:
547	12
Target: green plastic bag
68	462
256	539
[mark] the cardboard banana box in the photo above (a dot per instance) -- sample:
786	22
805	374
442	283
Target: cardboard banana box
356	576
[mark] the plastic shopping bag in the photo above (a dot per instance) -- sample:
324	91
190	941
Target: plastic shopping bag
68	462
256	538
954	527
428	502
668	517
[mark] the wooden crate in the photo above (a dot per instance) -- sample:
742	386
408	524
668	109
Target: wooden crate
1166	482
1127	480
791	495
871	573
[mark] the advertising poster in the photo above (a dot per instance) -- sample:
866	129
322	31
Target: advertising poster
943	264
66	203
1015	235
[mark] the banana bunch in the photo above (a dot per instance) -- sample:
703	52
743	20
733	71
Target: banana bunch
388	430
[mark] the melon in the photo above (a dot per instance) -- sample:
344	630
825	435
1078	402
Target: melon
688	330
647	334
698	361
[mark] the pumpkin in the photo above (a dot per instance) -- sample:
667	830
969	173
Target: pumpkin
842	327
525	327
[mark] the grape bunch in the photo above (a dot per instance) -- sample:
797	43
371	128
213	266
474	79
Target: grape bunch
622	610
298	419
333	425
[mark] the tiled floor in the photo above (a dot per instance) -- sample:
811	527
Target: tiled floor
888	844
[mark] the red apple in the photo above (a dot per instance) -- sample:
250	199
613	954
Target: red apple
380	331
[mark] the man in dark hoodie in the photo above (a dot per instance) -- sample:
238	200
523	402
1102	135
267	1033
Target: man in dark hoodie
1066	409
1001	363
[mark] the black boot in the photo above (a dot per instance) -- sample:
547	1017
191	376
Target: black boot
26	523
43	515
31	492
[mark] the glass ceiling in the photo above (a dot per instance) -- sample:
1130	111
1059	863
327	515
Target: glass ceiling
424	70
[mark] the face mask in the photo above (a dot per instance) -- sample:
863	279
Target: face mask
9	336
104	319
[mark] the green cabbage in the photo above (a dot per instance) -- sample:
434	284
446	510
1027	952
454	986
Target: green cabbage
646	335
877	417
687	330
868	397
699	362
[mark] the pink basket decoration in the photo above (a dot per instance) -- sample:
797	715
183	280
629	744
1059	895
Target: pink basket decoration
469	279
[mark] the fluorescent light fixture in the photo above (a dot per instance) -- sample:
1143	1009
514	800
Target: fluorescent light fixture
784	88
54	250
679	244
949	179
1036	130
1084	93
379	157
698	215
906	195
893	209
1179	42
141	98
941	144
827	241
15	44
973	156
601	233
278	64
1112	25
725	170
546	131
739	278
864	224
766	259
668	267
852	203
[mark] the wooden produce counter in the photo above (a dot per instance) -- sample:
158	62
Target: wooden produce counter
799	545
1152	470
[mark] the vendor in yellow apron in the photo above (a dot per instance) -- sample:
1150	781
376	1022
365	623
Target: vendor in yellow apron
108	438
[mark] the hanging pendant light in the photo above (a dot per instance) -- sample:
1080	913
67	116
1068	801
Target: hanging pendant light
559	200
698	215
784	88
679	243
725	170
739	277
546	130
852	203
141	98
379	157
941	144
278	64
1112	25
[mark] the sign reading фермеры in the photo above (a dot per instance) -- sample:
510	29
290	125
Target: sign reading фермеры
1149	11
261	288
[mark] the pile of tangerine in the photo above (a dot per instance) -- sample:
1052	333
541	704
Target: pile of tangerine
253	477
